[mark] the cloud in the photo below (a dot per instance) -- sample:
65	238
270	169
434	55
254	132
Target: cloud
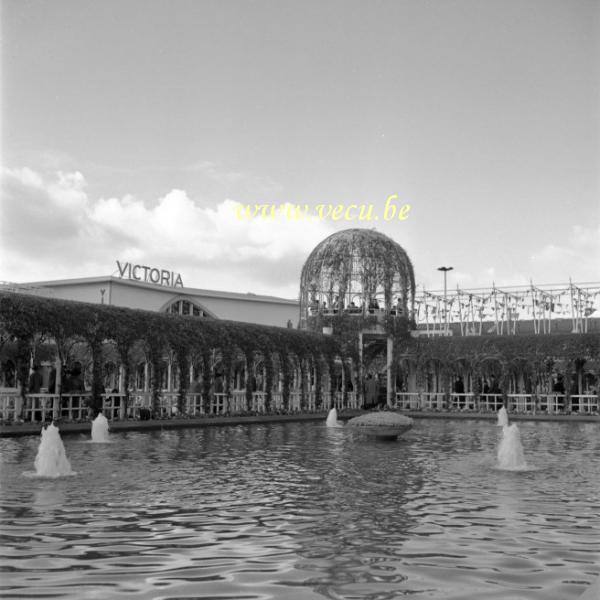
51	228
577	255
37	214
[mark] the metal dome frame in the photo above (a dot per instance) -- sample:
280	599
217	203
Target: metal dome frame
357	271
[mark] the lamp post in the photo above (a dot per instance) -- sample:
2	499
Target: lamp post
445	270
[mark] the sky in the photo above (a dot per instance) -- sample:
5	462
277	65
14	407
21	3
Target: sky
140	130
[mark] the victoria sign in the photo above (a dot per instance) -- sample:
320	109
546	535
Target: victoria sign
149	275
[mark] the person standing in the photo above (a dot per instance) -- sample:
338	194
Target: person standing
52	381
34	387
35	380
371	391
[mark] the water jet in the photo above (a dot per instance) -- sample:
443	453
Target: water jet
51	459
332	419
510	450
100	429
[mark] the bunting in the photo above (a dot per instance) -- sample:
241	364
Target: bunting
498	310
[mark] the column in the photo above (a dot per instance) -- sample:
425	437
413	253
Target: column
122	385
360	391
57	389
390	352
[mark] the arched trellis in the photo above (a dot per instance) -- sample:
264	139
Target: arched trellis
519	369
537	355
404	365
29	324
492	368
185	340
461	374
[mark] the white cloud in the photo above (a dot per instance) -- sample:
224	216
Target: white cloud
52	229
26	177
577	255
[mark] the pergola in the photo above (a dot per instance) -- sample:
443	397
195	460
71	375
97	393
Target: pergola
352	283
358	271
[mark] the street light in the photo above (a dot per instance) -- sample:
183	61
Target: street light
445	270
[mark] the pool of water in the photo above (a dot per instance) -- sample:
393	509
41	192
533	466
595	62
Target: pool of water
299	510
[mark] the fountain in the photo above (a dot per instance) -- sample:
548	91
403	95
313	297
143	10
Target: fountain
510	451
140	509
100	429
502	417
51	459
332	419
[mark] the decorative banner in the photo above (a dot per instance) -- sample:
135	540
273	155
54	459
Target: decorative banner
505	307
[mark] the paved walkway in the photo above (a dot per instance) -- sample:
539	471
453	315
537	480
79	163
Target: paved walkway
22	429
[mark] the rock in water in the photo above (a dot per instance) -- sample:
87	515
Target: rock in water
383	424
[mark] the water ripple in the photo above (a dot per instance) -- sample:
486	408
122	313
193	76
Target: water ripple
298	511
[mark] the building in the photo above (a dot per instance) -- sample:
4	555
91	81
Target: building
361	321
462	350
163	297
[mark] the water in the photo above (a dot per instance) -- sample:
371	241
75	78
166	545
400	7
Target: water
51	458
332	419
510	451
502	417
100	429
303	511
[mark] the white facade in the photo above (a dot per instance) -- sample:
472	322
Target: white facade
117	291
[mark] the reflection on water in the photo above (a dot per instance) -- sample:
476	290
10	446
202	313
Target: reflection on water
305	511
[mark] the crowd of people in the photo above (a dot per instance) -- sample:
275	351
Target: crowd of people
338	305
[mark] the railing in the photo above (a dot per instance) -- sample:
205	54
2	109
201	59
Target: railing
277	401
490	402
462	401
351	402
77	406
217	404
259	402
420	401
40	407
521	403
338	400
585	403
516	403
140	404
295	401
43	407
167	404
434	401
194	404
407	401
355	311
552	403
236	403
113	406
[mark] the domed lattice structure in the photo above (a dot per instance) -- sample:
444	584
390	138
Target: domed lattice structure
357	271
